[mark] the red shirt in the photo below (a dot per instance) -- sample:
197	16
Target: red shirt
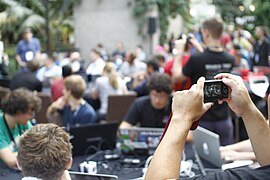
168	70
57	89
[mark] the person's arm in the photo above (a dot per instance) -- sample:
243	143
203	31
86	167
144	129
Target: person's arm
187	107
58	104
196	45
255	123
19	61
125	124
8	157
177	73
244	146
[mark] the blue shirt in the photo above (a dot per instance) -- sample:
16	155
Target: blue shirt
28	49
84	114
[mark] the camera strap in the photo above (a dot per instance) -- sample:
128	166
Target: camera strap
9	131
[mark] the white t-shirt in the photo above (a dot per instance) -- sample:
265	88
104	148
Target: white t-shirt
104	89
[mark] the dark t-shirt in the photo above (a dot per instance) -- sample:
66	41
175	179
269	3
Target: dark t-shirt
141	111
208	64
244	173
27	79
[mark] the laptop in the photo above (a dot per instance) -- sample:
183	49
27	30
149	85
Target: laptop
89	139
139	140
207	145
86	176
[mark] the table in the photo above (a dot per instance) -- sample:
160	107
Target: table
115	166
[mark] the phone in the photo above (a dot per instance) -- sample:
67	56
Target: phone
215	90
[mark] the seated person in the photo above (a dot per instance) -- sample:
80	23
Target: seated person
241	150
152	110
139	82
72	108
27	78
57	86
17	109
48	153
187	108
109	83
49	72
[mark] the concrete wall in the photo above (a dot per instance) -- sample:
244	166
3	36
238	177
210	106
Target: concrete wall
108	22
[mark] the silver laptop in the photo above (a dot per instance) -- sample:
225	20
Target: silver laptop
86	176
207	145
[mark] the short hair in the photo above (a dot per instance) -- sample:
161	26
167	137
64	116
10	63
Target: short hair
214	26
263	29
20	101
97	51
76	84
33	65
153	64
66	71
44	151
160	83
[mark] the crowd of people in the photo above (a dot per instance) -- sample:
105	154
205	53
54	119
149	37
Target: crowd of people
161	83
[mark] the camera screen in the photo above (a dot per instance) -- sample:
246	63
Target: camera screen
212	90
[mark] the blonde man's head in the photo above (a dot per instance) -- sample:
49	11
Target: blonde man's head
44	152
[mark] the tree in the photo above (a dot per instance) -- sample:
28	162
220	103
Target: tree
16	15
166	9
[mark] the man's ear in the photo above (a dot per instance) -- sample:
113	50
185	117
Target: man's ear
69	163
18	164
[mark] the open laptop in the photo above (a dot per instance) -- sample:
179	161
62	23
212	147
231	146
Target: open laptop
89	139
139	140
86	176
207	145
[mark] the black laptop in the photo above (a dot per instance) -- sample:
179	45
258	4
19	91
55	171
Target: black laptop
89	139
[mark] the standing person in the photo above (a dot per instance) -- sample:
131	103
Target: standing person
109	83
28	48
261	48
72	108
48	153
18	108
152	110
210	62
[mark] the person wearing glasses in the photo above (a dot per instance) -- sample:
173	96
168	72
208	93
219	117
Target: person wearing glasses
154	109
18	108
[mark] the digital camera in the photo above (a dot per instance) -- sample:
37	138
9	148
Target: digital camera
215	90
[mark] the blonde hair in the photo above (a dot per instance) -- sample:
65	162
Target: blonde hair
44	151
76	84
109	70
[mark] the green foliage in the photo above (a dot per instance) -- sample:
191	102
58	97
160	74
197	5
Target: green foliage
15	15
229	10
166	9
261	13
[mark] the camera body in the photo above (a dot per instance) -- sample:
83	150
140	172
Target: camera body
215	90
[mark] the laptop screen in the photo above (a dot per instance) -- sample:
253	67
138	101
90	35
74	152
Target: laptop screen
85	176
139	140
89	139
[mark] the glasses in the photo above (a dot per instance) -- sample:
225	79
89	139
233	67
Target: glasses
159	96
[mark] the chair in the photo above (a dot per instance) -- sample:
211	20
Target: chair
46	102
118	105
